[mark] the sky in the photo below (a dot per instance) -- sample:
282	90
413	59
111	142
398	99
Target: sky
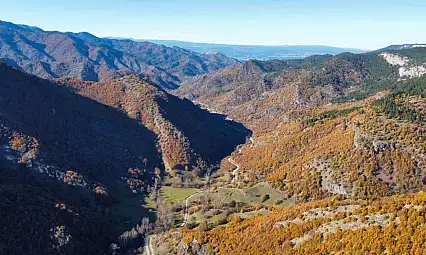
359	24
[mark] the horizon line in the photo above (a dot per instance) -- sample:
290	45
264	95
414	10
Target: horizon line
214	43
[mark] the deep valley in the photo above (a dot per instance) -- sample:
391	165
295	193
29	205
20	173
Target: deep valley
113	146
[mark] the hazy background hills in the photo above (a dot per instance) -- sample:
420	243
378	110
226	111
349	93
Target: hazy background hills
260	52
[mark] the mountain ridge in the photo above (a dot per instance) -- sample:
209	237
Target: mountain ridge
266	88
184	146
52	54
403	46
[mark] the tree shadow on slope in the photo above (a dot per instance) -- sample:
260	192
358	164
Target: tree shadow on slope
79	134
32	211
211	135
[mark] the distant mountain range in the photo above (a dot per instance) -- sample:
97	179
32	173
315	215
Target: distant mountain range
52	54
260	52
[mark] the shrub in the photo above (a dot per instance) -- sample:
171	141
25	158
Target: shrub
203	226
191	225
221	220
216	212
265	198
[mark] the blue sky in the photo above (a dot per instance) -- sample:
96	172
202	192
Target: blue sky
356	23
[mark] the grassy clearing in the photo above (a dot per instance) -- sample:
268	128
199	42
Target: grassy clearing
251	196
171	196
176	195
260	194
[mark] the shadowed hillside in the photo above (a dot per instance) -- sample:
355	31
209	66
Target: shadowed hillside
85	165
190	138
73	130
66	161
50	217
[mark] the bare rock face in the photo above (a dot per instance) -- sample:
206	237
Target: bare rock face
363	141
407	69
329	181
380	145
395	59
359	140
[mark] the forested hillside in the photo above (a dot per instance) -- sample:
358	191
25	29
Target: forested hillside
190	138
53	54
81	158
342	136
65	158
116	146
256	90
391	225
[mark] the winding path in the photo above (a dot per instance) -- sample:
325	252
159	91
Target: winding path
185	216
148	246
234	172
234	178
230	160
